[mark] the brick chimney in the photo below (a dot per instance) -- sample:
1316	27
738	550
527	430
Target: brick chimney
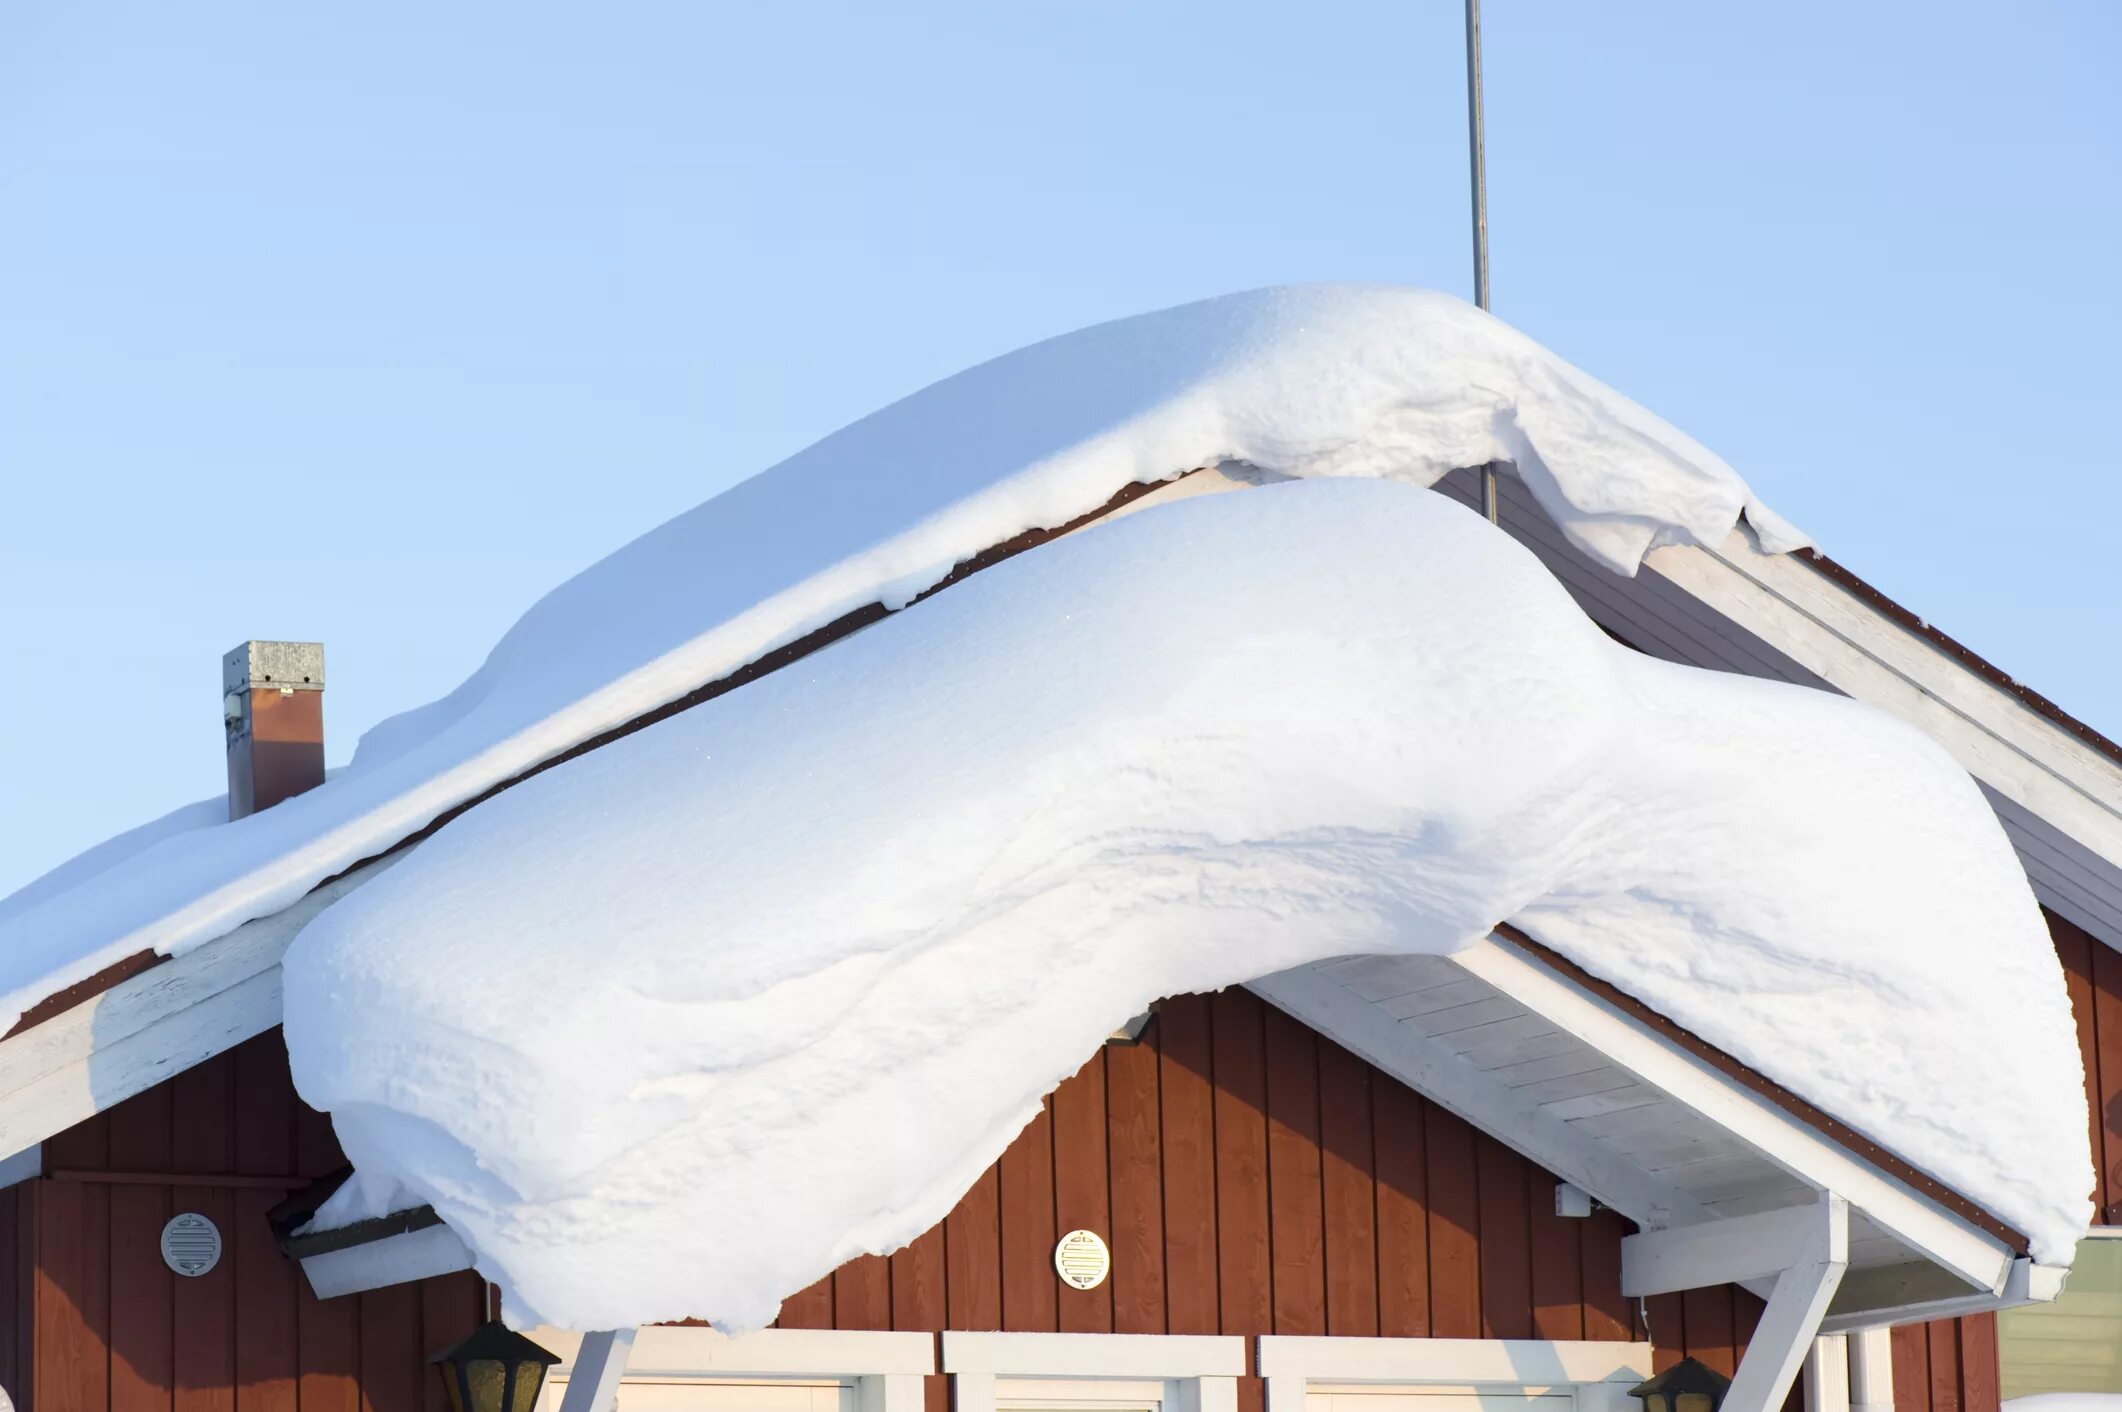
272	704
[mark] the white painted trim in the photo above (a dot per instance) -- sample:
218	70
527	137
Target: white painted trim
1514	1362
1729	1251
1959	1245
1095	1355
1827	1375
1871	1371
397	1259
1790	1323
1445	1079
2025	1283
27	1163
673	1352
156	1024
1845	641
599	1364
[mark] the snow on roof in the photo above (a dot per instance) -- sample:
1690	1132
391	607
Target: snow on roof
1308	381
766	985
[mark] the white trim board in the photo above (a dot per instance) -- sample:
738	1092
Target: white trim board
689	1351
156	1024
1095	1355
393	1260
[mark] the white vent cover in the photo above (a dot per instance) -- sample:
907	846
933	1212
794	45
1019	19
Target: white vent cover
1081	1260
191	1244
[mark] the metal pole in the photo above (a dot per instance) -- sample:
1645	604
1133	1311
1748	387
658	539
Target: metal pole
1489	504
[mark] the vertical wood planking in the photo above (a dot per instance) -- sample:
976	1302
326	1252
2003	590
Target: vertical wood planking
972	1256
2107	1025
1082	1200
1348	1193
1245	1284
1028	1282
862	1294
2074	952
70	1359
1944	1366
1911	1346
1667	1318
1187	1095
917	1284
203	1324
11	1231
1710	1336
265	1353
1555	1260
1296	1213
327	1331
391	1335
451	1306
1506	1243
142	1298
1980	1390
808	1308
1400	1144
1454	1227
1608	1313
1134	1164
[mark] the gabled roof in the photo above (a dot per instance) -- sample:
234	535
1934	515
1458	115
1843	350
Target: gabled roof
1713	598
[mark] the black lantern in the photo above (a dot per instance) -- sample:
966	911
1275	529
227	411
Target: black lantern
1687	1386
494	1370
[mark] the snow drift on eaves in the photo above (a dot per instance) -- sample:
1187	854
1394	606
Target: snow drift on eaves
1310	381
766	985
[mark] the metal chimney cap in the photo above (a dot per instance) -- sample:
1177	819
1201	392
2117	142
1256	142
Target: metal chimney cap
291	666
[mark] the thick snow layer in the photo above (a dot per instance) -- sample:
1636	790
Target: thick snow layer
1310	381
676	1028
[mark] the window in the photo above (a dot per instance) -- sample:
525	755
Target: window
2074	1344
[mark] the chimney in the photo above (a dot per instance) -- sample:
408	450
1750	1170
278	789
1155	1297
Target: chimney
272	704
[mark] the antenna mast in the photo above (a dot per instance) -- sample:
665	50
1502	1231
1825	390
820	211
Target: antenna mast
1489	504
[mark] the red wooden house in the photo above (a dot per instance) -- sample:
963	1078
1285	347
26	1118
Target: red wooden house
1376	1184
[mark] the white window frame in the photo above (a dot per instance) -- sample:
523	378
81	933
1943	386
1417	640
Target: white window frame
884	1369
1183	1372
1597	1375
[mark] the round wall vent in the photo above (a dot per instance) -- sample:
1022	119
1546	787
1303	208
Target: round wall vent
1082	1260
191	1244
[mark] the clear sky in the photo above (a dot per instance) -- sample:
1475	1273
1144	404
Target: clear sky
369	323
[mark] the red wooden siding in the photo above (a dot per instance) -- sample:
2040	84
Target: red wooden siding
114	1329
1253	1177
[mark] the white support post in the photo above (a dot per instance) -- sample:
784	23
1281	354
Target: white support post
889	1392
1871	1370
1827	1375
973	1392
1286	1392
1785	1334
593	1383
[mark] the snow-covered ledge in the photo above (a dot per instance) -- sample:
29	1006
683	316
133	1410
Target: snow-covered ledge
885	1369
1179	1372
1597	1374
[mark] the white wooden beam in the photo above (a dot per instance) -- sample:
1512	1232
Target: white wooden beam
1444	1078
600	1362
1828	630
679	1351
394	1260
156	1024
1040	1355
1973	1254
1728	1251
1791	1321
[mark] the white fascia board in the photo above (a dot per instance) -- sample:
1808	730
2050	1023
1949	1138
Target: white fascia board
1035	1355
156	1024
677	1352
1453	1361
1847	642
1971	1253
1729	1251
2027	1283
393	1260
1449	1081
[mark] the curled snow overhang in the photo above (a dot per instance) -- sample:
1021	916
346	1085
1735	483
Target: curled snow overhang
865	908
1314	381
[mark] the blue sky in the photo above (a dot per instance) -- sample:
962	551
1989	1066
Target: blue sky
370	323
